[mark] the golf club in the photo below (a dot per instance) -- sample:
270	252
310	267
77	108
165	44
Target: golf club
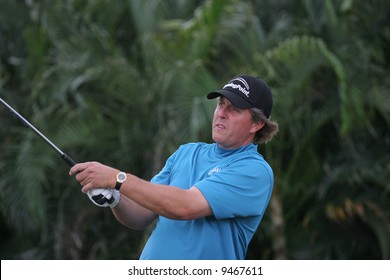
100	199
64	156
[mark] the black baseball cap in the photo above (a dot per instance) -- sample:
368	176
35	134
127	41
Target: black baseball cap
246	92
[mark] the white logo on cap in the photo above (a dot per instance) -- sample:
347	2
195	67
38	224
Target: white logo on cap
239	87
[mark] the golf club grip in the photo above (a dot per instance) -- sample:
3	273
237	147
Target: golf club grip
68	160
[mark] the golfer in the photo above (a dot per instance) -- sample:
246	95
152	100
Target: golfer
209	199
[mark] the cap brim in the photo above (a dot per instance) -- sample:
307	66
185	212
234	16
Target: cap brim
234	98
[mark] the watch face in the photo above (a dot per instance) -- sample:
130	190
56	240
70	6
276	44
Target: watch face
121	176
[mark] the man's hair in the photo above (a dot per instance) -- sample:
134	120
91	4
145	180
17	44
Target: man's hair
268	131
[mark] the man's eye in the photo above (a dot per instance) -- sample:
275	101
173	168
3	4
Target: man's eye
234	108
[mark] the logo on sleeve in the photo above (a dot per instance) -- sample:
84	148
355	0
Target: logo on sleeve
214	170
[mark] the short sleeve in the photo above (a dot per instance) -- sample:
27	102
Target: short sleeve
164	176
241	189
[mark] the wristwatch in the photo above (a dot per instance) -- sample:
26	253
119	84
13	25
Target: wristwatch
120	178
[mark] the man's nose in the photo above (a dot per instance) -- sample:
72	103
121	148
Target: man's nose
221	112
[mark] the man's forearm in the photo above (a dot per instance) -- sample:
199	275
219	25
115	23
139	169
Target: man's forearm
132	215
168	201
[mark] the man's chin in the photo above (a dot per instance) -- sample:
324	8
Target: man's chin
216	138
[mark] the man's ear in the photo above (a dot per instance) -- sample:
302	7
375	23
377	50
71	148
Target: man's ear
257	126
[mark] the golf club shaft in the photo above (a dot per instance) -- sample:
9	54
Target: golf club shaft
64	156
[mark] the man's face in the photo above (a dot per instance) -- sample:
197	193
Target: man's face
233	127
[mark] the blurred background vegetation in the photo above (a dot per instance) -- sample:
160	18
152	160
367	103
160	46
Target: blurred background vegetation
124	83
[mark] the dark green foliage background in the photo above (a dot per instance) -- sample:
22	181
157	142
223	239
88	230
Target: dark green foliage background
124	83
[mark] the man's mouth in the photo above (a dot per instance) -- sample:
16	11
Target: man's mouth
218	125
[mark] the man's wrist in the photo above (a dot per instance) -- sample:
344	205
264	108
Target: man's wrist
120	179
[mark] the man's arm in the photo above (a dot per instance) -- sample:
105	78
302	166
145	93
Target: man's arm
132	214
171	202
168	201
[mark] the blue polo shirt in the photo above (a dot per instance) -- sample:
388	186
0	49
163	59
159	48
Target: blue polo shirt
237	185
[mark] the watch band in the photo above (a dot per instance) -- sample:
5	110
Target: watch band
118	185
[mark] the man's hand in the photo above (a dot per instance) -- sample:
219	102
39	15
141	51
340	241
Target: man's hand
94	175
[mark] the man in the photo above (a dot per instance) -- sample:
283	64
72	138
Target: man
208	199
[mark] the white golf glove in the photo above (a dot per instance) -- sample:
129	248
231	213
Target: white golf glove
104	197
